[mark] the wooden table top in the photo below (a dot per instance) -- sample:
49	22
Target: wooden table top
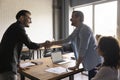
53	46
37	72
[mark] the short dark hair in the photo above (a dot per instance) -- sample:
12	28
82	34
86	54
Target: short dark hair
22	13
111	51
79	14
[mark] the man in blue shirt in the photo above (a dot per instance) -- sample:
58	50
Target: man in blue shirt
83	45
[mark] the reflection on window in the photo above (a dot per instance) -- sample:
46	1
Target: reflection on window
105	18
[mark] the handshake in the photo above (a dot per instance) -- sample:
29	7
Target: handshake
47	44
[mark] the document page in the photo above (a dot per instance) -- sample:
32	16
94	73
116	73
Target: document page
27	64
57	70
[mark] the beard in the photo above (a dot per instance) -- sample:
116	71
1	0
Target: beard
72	24
27	24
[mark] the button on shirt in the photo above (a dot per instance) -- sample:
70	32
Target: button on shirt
84	45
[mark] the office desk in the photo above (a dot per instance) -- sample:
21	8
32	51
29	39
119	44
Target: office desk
38	72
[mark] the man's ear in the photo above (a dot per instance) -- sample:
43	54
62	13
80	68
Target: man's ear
21	18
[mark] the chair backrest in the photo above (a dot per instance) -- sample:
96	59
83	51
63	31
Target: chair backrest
67	48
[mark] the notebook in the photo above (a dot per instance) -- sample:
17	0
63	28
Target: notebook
58	58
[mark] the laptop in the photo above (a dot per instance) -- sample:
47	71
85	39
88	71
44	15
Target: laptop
57	58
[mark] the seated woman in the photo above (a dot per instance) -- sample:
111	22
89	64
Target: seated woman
108	48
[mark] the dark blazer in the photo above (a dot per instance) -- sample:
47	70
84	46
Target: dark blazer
11	45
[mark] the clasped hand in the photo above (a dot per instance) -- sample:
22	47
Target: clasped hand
48	44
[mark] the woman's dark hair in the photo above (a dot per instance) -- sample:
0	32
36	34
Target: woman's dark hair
111	51
79	14
22	13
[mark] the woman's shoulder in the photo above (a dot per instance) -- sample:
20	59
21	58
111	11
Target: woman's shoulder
106	73
108	68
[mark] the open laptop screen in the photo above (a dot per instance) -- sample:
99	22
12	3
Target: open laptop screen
56	56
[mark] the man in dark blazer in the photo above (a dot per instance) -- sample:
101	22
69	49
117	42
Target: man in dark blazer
11	45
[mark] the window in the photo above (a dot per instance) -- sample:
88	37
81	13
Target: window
104	20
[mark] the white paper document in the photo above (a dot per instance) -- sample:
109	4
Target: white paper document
57	70
27	64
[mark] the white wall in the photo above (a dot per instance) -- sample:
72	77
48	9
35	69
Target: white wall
41	27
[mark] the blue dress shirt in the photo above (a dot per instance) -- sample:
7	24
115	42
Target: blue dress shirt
84	45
